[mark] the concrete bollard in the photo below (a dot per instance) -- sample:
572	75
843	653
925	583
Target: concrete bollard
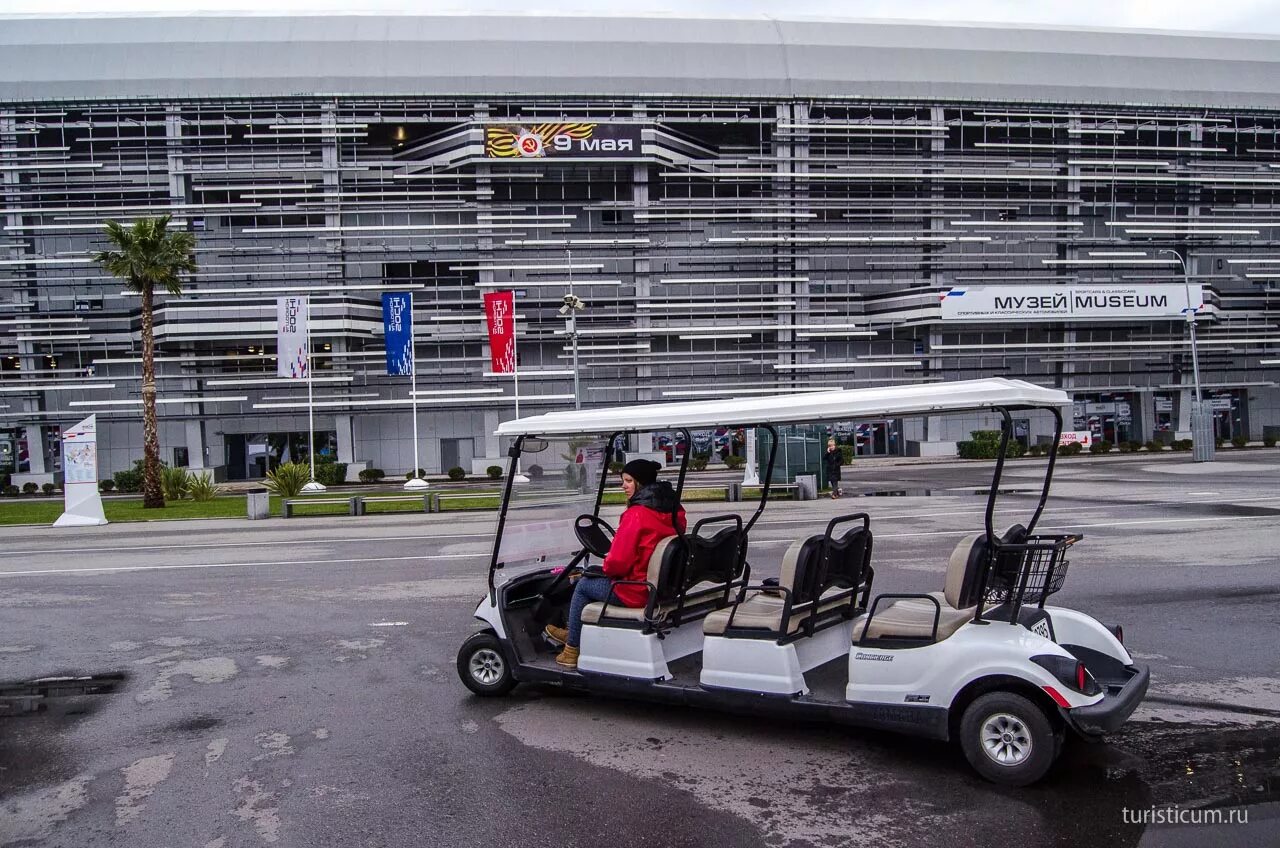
258	504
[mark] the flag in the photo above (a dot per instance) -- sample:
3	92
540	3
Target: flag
499	309
397	326
291	337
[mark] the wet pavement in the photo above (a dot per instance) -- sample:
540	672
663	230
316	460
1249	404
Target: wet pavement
293	684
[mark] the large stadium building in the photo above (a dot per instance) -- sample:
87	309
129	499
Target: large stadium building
750	206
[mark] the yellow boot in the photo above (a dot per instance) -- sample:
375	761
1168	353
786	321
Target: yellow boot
559	635
568	657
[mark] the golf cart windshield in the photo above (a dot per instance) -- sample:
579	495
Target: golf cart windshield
536	528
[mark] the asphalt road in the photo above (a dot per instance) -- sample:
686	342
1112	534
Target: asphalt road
293	684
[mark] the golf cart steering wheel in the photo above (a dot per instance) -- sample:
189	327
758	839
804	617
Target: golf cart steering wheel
595	534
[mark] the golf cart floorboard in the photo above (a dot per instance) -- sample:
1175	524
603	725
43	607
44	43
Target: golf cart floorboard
827	682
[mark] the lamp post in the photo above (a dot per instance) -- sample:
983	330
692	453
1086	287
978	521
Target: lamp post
1201	429
572	306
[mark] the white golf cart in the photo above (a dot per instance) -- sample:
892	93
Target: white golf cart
984	661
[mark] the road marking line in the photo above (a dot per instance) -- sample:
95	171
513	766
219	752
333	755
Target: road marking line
112	569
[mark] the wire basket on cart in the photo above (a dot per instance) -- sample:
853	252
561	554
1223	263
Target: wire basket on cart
1029	572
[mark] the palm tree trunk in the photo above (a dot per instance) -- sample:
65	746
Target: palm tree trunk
152	494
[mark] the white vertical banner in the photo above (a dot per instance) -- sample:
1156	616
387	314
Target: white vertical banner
291	338
82	503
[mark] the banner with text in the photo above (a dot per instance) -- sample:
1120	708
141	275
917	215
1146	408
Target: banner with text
1068	303
397	325
291	337
500	312
563	141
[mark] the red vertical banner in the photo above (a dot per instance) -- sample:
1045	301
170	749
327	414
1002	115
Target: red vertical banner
499	310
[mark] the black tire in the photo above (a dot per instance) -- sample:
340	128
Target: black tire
483	666
1008	739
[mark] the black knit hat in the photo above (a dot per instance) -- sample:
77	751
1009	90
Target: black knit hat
644	471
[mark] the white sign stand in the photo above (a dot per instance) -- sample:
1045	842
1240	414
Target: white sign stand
82	501
751	477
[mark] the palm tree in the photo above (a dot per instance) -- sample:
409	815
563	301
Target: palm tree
148	255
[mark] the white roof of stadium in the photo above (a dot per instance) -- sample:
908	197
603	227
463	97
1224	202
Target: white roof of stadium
845	405
200	55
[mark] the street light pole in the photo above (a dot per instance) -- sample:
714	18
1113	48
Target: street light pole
570	311
1202	436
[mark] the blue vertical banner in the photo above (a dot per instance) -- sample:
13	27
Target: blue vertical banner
397	325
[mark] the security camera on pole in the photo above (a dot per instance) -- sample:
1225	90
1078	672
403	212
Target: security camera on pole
572	306
1202	435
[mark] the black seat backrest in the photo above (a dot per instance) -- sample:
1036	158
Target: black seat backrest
1008	563
718	556
847	553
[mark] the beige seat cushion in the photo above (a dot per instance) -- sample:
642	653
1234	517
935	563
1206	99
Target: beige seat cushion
761	610
698	594
912	618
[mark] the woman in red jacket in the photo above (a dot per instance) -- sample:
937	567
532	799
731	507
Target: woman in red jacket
645	522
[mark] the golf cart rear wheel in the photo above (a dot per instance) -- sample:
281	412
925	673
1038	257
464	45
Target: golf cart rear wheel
1008	739
483	667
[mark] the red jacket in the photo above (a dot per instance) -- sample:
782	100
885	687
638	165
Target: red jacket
639	532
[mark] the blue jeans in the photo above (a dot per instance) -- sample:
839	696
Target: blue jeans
588	590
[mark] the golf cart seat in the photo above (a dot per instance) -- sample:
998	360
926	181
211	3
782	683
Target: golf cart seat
691	576
820	583
912	617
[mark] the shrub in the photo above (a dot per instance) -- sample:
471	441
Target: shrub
1218	442
30	488
11	490
5	479
1035	450
1155	446
985	444
48	488
107	485
1238	441
331	473
1100	446
372	475
201	487
698	463
421	472
535	471
1181	444
846	454
129	480
173	482
1071	449
733	463
287	479
457	472
494	472
615	467
1268	441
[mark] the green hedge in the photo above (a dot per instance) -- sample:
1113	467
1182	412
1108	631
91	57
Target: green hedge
985	444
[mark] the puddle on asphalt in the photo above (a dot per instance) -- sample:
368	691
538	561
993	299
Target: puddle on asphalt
1150	766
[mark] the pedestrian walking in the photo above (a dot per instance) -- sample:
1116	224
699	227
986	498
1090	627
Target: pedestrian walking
834	458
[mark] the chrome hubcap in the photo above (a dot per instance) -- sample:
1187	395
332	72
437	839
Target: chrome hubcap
487	666
1006	739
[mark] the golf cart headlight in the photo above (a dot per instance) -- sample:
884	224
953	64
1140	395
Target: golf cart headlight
1070	672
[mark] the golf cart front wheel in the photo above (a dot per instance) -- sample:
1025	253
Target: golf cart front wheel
1008	739
483	667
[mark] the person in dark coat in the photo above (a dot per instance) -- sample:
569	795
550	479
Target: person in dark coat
833	459
651	515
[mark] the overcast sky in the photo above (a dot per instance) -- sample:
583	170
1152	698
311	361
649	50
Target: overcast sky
1240	16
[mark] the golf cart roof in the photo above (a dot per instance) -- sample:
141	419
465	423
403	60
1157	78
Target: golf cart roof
844	405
